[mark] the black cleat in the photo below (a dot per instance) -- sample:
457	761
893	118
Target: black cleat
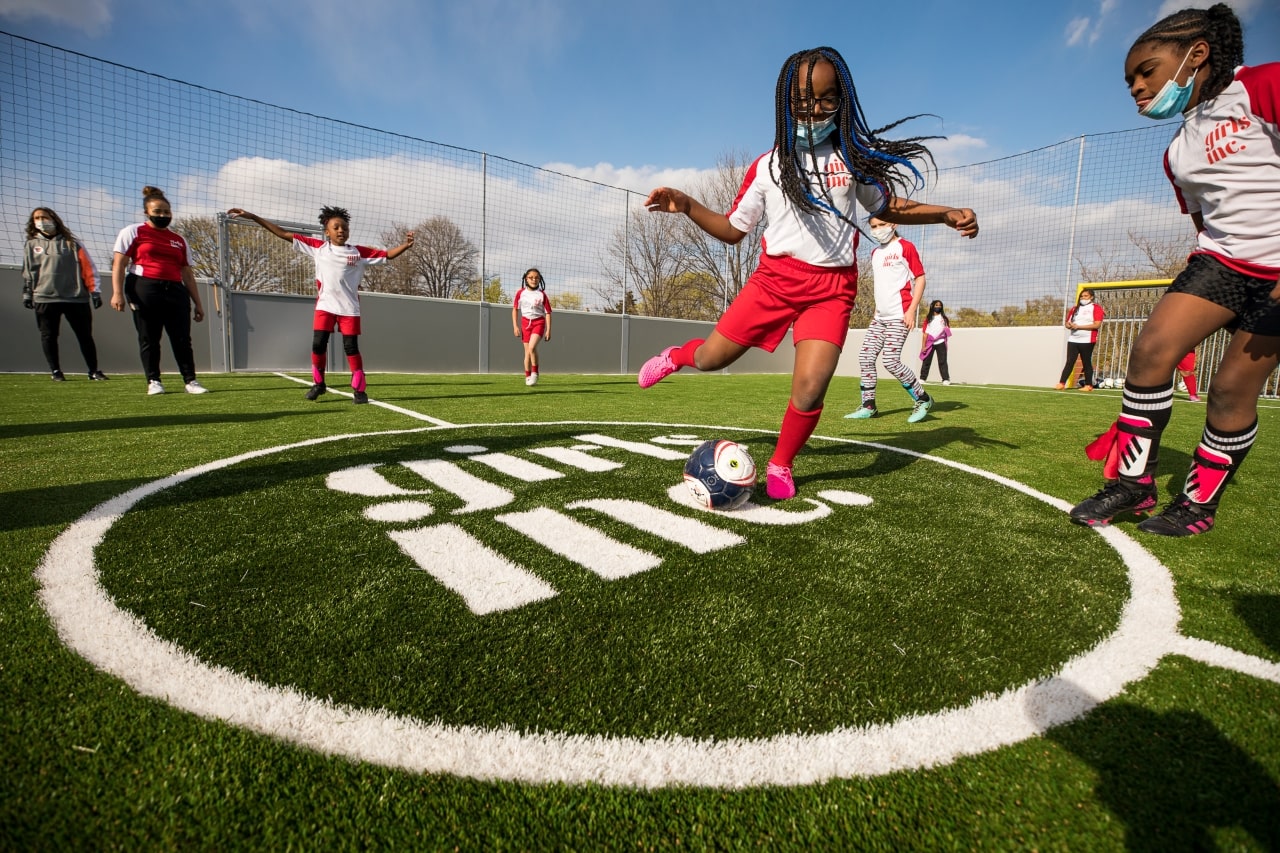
361	397
316	390
1182	517
97	376
1114	499
57	376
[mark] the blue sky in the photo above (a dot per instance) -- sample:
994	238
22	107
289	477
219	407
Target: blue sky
612	89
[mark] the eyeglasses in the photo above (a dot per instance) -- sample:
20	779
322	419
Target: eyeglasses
804	108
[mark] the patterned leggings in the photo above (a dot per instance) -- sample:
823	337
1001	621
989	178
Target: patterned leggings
886	337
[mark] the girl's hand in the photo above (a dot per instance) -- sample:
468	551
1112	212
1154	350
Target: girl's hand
963	220
237	212
199	314
667	200
515	332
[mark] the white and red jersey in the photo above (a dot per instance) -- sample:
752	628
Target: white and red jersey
153	252
1083	315
1224	163
820	238
339	270
533	304
895	266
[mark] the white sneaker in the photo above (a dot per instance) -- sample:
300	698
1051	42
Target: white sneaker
154	387
946	382
528	380
194	387
533	378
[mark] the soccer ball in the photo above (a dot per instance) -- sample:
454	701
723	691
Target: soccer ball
720	474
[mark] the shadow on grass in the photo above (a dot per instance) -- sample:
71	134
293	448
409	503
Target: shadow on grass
920	441
1262	614
1173	779
141	422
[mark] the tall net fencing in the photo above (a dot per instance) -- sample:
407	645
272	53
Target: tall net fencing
83	136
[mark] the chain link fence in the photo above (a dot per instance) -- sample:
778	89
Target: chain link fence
83	136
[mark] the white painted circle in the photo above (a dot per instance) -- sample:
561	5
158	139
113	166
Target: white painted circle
839	496
119	643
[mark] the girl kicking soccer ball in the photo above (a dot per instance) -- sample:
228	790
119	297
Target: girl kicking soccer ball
824	157
339	269
531	320
1225	168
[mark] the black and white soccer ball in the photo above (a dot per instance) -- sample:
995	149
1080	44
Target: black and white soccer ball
720	474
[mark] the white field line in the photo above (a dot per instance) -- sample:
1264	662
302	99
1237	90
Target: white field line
408	412
116	641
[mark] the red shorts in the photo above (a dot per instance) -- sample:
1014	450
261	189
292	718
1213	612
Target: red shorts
785	292
325	322
1188	363
532	326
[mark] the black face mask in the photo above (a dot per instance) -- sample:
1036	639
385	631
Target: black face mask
160	221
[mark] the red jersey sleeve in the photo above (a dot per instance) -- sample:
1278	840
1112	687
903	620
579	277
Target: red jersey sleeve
912	257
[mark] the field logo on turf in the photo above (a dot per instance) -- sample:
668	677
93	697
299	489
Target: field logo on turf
488	581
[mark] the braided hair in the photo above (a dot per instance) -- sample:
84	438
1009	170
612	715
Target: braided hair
1218	26
542	284
327	213
885	163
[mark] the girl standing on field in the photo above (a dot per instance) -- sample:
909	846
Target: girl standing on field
1082	325
825	157
531	320
339	270
1224	163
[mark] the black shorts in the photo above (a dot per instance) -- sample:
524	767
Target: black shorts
1248	297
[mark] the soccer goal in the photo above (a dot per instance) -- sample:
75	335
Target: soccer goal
1128	304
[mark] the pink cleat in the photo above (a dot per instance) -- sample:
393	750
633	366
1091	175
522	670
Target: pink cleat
657	368
1192	398
778	483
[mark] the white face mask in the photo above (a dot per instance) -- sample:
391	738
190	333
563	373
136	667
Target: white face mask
47	226
1086	301
882	234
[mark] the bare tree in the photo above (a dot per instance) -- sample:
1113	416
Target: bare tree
1165	259
257	261
442	262
399	276
649	258
724	268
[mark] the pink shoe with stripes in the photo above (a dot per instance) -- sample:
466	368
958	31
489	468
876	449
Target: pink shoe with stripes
778	483
1182	517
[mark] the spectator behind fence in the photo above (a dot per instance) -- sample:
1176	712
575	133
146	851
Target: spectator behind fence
1225	169
58	280
151	272
1083	322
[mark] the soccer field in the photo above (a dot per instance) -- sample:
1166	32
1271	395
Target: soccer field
481	615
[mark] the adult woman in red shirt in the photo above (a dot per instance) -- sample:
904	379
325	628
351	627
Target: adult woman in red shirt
151	271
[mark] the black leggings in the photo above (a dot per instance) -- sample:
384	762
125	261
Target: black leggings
941	350
162	307
1085	353
79	317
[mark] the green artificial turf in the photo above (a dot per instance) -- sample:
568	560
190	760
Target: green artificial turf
946	587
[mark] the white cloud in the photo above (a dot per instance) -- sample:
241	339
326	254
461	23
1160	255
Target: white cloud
1244	9
1077	30
90	16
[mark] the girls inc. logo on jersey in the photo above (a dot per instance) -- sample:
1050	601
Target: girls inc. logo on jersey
837	174
1217	145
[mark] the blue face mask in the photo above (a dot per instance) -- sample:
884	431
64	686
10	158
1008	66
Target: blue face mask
1172	98
815	132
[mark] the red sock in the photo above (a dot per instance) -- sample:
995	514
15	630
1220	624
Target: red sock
356	363
1190	379
683	356
317	367
526	373
797	426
